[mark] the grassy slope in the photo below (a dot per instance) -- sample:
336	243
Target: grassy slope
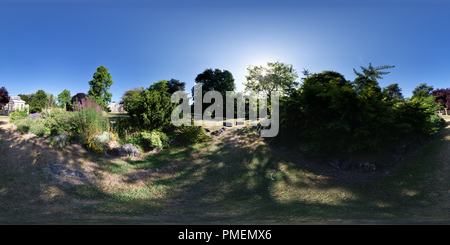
233	179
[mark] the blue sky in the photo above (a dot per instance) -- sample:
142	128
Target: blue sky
55	44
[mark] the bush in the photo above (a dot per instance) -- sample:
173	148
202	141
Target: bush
17	115
193	134
124	128
99	143
152	139
35	126
150	110
331	114
164	139
59	123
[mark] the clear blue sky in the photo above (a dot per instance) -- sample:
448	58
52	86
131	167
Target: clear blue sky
55	44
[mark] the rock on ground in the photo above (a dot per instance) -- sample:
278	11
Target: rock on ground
127	150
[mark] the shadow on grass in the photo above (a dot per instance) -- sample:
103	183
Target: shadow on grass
243	180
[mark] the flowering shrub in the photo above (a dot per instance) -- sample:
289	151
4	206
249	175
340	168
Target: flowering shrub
17	115
35	115
88	119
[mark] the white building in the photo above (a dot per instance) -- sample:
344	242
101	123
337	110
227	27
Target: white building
15	103
116	107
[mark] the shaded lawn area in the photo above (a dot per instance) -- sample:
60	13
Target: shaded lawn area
243	180
240	179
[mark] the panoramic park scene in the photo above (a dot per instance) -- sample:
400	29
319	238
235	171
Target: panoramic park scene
182	139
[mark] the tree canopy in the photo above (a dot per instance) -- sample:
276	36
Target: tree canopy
38	101
275	77
423	87
130	93
213	80
24	97
422	91
75	100
4	97
394	91
99	87
175	85
64	98
368	77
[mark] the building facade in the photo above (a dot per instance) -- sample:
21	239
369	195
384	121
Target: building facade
15	103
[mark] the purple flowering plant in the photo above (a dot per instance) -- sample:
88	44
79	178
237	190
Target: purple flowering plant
35	115
89	118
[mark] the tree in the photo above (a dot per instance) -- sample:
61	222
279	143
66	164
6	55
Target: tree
423	87
275	77
38	101
51	99
4	97
30	97
24	97
159	86
75	100
64	98
306	73
369	77
175	85
394	91
99	87
442	96
422	91
213	80
130	93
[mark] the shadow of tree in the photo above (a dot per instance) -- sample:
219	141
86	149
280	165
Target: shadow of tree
235	179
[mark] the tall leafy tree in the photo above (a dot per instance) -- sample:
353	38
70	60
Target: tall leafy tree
213	80
175	85
423	86
394	91
99	87
131	93
30	97
24	97
275	77
64	98
4	97
422	91
38	101
159	86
